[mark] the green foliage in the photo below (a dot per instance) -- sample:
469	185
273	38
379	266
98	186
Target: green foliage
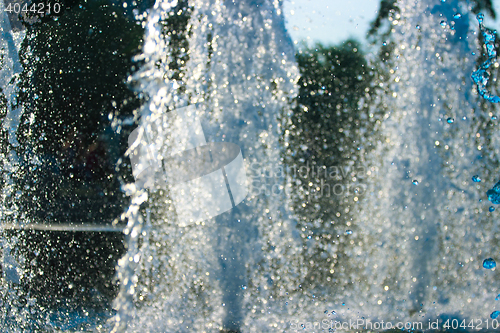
72	86
329	134
387	8
77	66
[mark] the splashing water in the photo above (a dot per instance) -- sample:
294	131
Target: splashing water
245	270
429	218
481	76
241	78
12	268
494	194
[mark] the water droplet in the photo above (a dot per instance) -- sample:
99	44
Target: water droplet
497	298
473	53
334	313
415	182
450	120
494	314
348	232
417	27
326	311
476	179
443	24
494	194
238	221
491	209
343	304
493	117
457	16
243	287
489	263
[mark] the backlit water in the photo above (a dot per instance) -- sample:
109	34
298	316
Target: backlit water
363	203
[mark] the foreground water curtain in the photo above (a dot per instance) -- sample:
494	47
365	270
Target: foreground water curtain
258	188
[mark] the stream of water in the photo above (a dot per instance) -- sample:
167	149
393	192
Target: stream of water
408	248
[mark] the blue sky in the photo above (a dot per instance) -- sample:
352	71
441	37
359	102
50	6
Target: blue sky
329	21
332	21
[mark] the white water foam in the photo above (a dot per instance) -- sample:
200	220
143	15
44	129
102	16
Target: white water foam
418	248
426	239
241	75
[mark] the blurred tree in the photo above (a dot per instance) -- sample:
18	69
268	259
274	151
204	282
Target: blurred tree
72	88
74	94
330	131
